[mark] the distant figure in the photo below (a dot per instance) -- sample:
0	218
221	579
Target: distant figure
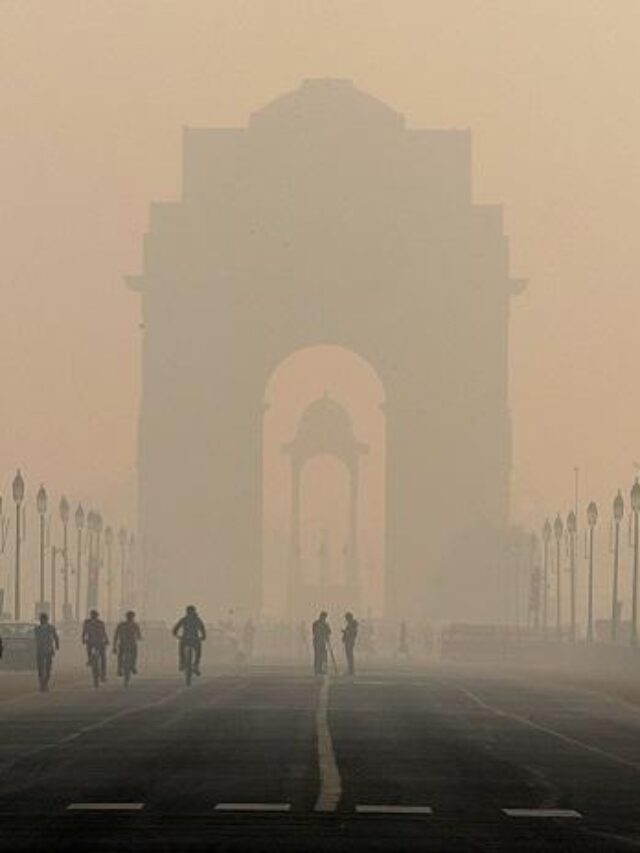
94	636
192	632
403	645
125	641
349	634
47	644
321	636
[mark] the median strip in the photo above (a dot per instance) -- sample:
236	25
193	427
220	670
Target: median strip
571	813
253	807
105	807
407	810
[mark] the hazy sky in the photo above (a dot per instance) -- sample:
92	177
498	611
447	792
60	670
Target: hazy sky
94	96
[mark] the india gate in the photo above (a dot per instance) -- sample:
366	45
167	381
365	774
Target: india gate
325	221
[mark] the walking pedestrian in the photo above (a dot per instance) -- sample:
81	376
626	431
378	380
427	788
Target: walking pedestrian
349	634
321	636
47	644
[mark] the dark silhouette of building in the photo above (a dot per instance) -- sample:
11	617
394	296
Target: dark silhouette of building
326	220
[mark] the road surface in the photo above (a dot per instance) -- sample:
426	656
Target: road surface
273	759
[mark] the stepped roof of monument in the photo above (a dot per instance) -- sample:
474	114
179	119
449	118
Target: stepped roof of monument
326	100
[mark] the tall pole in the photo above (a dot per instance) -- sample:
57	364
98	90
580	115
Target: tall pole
558	529
42	592
65	557
590	604
78	571
108	540
122	539
614	603
18	497
54	553
79	519
16	596
618	515
546	536
558	592
592	518
572	526
634	594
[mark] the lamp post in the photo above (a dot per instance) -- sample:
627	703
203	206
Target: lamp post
54	553
546	538
572	529
18	497
91	524
635	506
122	541
592	518
64	510
79	519
131	570
108	541
618	514
558	530
41	506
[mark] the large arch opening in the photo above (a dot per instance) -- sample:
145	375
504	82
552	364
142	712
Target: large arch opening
323	466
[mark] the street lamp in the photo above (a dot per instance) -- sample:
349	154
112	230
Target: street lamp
79	519
18	497
64	510
635	506
92	592
618	514
572	528
41	506
546	538
558	530
122	541
592	518
108	541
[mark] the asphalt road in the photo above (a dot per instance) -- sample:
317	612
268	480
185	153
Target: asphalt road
273	759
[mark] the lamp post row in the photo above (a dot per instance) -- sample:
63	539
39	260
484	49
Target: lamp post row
571	528
94	524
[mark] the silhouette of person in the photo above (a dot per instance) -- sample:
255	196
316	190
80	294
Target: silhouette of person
125	640
321	635
192	632
349	634
94	636
47	643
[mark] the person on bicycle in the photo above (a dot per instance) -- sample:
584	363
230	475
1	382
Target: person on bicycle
47	644
94	637
125	641
192	632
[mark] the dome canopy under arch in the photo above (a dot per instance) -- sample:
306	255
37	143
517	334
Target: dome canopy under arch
325	427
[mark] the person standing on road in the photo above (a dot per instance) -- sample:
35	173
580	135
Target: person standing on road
47	644
94	636
349	634
125	641
321	638
192	632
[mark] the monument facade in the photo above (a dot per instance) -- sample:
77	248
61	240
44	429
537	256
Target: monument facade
325	221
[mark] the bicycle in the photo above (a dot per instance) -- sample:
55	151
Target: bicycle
127	666
188	653
95	665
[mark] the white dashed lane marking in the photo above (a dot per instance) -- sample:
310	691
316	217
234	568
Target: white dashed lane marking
105	807
253	807
405	810
542	813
